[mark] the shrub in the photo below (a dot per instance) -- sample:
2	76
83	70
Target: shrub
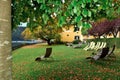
76	41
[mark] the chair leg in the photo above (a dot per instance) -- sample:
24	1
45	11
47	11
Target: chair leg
38	59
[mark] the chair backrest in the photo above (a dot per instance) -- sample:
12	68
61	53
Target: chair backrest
104	44
101	46
110	52
113	49
86	46
89	45
97	45
104	52
48	52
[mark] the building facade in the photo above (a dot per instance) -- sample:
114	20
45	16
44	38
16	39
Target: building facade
71	33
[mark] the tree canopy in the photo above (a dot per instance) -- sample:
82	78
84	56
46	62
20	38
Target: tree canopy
104	26
77	12
100	28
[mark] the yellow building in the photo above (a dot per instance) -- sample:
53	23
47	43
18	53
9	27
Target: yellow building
70	34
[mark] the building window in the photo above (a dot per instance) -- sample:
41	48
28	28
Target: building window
67	34
76	29
77	37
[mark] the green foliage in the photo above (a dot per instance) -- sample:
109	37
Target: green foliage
95	0
85	13
114	10
87	25
41	1
47	33
76	41
78	11
78	18
61	21
27	34
84	31
45	18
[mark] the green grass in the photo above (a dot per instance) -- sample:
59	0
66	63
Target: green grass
67	64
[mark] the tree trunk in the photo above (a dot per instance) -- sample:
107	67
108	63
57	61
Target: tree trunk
114	34
5	40
98	37
49	42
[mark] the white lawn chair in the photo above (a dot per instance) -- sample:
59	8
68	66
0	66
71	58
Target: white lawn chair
104	44
89	46
101	46
111	52
86	46
92	46
97	45
100	55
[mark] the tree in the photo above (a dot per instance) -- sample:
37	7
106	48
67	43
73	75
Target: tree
116	26
27	34
104	27
5	40
80	13
48	33
114	10
101	28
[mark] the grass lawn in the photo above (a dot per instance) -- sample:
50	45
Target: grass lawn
68	64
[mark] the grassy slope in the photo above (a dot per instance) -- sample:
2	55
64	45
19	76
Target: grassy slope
68	64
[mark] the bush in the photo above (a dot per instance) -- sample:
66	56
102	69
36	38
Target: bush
59	42
76	41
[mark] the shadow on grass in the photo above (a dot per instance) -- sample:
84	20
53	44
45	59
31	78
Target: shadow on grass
103	62
49	61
